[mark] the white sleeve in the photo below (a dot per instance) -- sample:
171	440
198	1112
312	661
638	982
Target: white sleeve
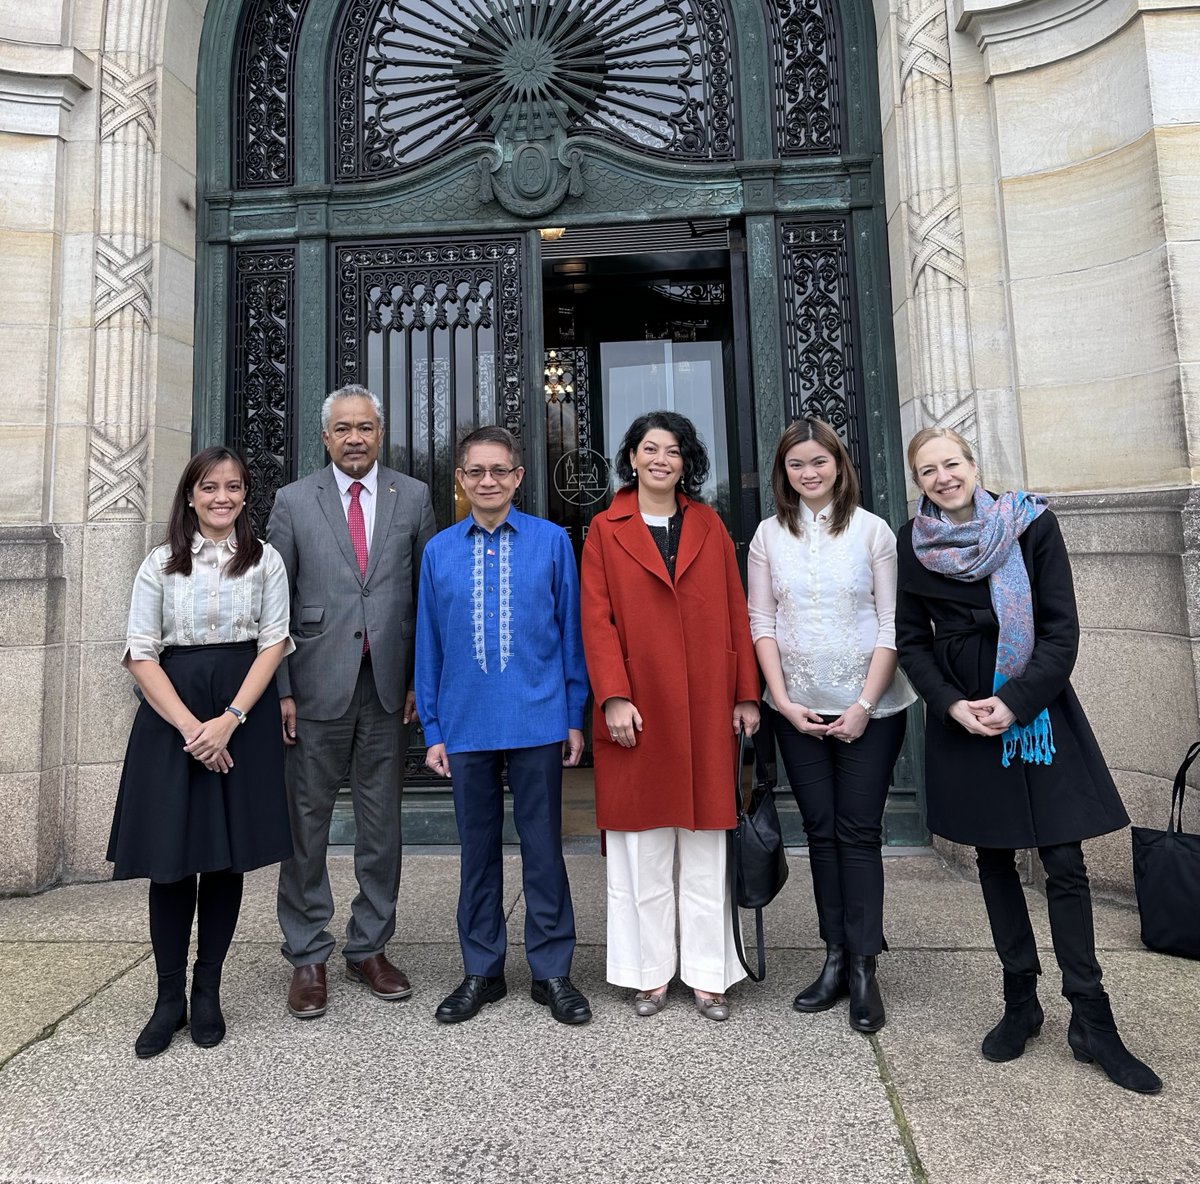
275	614
761	593
882	547
143	637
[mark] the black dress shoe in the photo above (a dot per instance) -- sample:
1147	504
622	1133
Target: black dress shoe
866	1004
830	985
566	1002
1092	1035
1022	1019
471	994
170	1014
208	1023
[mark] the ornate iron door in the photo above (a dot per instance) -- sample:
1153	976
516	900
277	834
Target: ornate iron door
438	329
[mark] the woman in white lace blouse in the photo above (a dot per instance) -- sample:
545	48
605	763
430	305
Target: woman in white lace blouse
202	797
822	585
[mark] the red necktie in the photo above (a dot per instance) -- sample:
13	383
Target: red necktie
358	536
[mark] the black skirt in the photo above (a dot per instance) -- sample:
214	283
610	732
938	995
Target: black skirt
174	817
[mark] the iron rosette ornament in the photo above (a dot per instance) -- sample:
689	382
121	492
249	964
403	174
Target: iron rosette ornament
530	83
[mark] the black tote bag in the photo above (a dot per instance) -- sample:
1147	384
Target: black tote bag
1166	874
757	859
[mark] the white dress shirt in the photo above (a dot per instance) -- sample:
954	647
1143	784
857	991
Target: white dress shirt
366	499
207	607
829	601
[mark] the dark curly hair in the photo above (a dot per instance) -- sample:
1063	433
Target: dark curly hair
691	448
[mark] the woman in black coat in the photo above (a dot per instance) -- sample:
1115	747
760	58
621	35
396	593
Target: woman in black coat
987	631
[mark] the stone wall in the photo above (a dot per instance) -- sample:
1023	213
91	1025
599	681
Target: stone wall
1043	205
97	241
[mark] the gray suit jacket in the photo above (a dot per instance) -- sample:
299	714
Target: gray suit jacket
332	604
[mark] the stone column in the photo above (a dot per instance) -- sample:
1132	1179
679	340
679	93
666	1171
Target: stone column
45	90
935	276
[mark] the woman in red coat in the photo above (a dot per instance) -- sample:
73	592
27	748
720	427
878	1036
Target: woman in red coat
672	668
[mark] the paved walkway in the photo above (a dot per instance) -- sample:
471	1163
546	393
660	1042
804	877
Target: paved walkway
379	1092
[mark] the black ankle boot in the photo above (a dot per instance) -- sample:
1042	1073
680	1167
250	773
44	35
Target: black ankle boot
170	1014
829	986
866	1004
1022	1018
1093	1036
208	1024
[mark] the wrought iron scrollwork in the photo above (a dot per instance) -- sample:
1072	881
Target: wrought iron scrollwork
436	329
808	101
818	319
264	103
416	77
263	387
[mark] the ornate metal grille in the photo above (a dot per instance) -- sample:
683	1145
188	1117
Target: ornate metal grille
264	103
436	330
416	77
807	78
818	324
263	382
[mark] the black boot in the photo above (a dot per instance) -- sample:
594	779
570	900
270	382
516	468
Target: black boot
170	1014
1022	1019
830	984
1093	1036
208	1024
866	1004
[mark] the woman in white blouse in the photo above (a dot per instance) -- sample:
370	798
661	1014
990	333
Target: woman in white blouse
822	584
202	797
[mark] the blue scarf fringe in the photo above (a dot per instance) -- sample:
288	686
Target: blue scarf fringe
1035	740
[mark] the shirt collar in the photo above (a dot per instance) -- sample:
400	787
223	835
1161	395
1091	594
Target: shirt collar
198	541
512	521
370	479
808	516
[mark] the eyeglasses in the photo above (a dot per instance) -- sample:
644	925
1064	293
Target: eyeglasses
496	472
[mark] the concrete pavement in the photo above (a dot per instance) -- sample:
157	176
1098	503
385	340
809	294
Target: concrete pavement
379	1092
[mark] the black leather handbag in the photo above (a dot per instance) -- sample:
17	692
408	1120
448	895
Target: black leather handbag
757	860
1166	874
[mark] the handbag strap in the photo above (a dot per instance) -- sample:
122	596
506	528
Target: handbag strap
758	937
734	861
1175	822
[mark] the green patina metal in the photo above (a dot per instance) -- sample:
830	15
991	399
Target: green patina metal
537	170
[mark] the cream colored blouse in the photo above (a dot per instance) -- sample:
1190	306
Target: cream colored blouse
828	601
207	607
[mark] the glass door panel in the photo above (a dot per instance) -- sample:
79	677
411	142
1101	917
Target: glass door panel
683	376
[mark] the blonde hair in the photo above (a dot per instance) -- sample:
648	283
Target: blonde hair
925	435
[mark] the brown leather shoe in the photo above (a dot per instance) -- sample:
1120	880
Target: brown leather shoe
385	981
307	997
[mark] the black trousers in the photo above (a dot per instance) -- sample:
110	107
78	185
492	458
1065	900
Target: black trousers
1068	901
217	897
841	790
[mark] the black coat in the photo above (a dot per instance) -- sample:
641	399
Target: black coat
946	634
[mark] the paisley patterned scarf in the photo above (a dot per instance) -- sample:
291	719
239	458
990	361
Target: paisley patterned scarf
986	546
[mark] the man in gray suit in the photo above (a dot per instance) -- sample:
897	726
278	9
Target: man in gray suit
351	537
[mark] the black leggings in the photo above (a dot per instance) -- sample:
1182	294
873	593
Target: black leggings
1068	901
218	900
841	790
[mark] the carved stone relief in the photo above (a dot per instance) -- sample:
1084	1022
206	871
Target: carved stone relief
124	263
939	321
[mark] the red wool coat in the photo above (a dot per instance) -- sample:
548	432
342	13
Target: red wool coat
681	653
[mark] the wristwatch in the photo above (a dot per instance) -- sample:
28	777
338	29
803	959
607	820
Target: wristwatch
866	705
240	715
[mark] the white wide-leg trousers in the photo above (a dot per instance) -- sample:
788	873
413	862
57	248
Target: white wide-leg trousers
641	909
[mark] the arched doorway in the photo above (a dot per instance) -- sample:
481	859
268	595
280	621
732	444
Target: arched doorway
549	216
